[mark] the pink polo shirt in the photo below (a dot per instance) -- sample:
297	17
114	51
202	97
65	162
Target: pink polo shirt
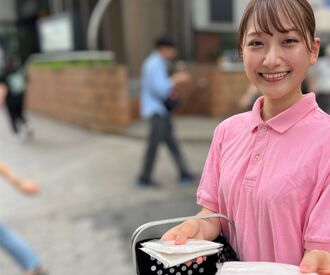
273	179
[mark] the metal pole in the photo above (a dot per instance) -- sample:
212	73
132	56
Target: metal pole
55	6
68	5
94	23
51	7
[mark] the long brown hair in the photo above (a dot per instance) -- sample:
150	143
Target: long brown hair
267	12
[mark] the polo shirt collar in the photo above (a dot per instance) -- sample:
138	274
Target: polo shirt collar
283	121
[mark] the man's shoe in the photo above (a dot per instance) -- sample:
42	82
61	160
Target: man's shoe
187	179
147	183
39	271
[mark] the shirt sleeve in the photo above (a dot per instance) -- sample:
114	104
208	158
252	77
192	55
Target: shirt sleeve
207	193
161	83
317	234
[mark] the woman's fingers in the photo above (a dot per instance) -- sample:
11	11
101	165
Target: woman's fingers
189	263
169	236
180	233
198	260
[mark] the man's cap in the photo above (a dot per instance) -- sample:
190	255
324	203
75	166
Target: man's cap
165	42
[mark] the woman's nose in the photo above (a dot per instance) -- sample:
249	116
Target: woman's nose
272	57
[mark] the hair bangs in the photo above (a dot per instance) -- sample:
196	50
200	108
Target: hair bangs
305	25
267	14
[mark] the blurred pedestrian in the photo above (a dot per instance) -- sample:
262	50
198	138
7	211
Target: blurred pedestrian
12	243
13	85
319	80
158	97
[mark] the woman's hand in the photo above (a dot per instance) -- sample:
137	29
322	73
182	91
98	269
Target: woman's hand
190	229
28	187
316	261
200	229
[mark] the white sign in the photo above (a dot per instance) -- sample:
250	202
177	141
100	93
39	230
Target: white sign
56	33
8	10
322	20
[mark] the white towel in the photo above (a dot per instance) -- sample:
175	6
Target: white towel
170	254
258	268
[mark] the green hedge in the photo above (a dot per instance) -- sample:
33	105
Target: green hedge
59	65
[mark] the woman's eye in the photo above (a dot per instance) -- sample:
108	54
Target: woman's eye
290	41
255	44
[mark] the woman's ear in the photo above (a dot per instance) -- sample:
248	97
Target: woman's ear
315	49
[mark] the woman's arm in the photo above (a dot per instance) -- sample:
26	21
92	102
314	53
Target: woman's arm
25	186
3	93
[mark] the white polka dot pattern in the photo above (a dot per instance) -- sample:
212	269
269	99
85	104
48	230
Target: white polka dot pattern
157	268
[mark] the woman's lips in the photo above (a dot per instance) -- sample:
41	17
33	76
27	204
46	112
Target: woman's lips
274	76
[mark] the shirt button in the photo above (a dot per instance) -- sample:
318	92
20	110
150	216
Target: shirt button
264	128
257	157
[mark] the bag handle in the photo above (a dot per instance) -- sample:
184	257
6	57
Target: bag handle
148	225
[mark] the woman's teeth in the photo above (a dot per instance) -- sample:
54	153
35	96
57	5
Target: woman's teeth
274	76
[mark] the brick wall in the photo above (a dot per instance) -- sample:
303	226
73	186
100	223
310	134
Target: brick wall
207	46
94	98
195	95
226	89
212	91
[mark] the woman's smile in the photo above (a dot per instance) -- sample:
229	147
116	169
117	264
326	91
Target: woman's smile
274	77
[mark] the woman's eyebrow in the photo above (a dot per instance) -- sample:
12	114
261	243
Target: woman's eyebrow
291	30
255	33
259	33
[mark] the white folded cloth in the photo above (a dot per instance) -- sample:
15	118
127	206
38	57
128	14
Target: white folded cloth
170	254
258	268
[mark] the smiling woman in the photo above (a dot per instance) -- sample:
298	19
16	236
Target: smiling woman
262	167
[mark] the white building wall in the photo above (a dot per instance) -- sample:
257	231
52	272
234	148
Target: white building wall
322	15
8	10
317	3
201	20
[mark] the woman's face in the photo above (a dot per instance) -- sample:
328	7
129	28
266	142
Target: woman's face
277	64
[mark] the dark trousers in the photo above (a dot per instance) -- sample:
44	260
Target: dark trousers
15	104
161	130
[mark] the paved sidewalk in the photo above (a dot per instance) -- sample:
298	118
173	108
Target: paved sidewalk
82	221
188	128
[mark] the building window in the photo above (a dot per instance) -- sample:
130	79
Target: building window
217	15
221	11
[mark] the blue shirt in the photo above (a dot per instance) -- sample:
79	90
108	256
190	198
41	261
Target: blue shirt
156	86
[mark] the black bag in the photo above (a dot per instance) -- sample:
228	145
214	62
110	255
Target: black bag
146	265
172	102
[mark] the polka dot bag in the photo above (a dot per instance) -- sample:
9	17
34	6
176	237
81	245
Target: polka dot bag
146	265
